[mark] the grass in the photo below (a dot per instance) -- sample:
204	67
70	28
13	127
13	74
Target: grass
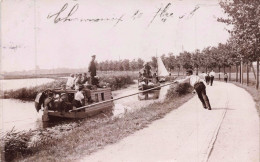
92	134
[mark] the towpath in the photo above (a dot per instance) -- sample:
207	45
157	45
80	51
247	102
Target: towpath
227	133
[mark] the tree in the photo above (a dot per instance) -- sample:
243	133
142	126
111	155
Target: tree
244	15
140	63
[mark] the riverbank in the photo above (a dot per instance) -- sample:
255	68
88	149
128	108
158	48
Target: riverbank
102	130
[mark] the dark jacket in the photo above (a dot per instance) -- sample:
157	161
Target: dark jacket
92	69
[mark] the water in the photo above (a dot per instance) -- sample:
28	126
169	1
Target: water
23	116
137	101
21	83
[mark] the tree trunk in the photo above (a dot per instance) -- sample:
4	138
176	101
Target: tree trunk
247	74
241	66
224	69
230	73
236	73
179	71
253	69
240	73
257	73
206	69
219	73
197	72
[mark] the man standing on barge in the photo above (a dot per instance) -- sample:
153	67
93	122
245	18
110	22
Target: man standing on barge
92	70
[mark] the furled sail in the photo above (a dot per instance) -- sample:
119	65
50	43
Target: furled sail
161	68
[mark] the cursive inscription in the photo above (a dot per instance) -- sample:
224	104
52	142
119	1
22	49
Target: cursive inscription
61	16
68	14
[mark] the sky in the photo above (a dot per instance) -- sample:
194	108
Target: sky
65	33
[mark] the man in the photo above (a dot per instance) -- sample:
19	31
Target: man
199	86
92	69
207	78
203	74
78	82
84	78
211	75
70	82
225	77
79	99
148	68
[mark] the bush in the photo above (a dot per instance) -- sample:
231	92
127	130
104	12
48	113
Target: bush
21	143
178	90
116	82
30	93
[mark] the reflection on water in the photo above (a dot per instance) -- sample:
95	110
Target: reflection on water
152	95
20	115
21	83
23	116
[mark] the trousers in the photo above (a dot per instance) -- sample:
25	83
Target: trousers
211	80
200	88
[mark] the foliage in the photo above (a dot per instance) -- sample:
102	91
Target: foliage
178	90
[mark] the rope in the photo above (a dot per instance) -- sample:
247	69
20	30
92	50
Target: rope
83	107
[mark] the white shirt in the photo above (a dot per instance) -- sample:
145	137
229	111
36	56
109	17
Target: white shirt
192	79
212	73
79	96
70	82
204	75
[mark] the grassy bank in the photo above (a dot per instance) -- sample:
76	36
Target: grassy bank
113	81
91	134
30	93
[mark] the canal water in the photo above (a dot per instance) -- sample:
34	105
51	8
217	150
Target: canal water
20	115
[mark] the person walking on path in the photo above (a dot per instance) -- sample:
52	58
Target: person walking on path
207	78
212	75
225	77
199	86
92	70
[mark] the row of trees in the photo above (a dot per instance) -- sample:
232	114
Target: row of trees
244	16
240	51
121	65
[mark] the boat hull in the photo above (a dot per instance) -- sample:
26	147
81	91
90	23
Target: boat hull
84	113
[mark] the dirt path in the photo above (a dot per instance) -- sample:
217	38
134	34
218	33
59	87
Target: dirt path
229	132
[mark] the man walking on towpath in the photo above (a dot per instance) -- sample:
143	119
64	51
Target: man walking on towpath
212	75
199	86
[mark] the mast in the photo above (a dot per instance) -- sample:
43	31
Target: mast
157	63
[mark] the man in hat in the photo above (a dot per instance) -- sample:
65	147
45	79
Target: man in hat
199	86
148	68
92	69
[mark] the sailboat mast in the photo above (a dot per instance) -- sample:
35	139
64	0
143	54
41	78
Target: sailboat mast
157	63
